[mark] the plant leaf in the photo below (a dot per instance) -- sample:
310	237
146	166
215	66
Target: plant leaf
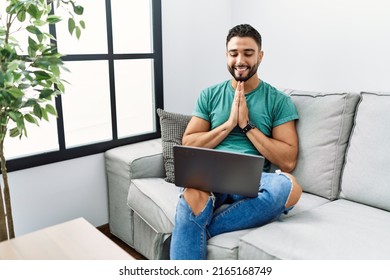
32	44
3	121
39	22
51	110
14	132
9	78
78	10
78	32
1	79
56	70
22	15
60	87
33	11
46	94
44	114
15	116
37	111
33	29
52	19
82	24
31	119
15	92
71	25
41	75
31	52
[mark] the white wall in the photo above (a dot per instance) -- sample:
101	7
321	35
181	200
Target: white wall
194	34
55	193
324	45
311	45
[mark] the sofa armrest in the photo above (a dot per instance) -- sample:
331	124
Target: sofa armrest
135	161
123	164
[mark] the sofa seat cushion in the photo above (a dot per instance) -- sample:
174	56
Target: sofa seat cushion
225	246
154	200
306	202
337	230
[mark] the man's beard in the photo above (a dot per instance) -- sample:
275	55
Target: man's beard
241	78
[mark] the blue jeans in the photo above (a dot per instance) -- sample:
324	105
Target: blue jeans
190	233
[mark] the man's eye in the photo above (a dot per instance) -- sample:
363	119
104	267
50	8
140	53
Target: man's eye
233	54
249	54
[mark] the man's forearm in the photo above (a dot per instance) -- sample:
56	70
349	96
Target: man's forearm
279	153
209	139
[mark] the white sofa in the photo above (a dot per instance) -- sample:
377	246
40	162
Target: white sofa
343	167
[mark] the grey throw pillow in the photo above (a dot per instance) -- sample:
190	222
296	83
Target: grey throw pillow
366	173
173	126
324	126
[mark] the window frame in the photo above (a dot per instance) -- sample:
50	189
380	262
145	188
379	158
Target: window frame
64	153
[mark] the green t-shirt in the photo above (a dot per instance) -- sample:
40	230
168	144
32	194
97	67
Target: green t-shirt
268	107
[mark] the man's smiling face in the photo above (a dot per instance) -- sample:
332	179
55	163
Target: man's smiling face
243	58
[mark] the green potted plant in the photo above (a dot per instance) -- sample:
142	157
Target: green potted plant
30	77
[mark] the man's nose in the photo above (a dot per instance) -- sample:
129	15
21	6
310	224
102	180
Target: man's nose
239	59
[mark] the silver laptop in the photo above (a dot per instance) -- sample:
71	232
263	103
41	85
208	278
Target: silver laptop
217	171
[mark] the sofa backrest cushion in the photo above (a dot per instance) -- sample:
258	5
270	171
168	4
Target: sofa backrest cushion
173	126
366	175
324	126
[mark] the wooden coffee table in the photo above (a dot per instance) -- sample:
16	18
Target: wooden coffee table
73	240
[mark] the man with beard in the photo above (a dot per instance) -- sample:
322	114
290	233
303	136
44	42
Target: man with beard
247	115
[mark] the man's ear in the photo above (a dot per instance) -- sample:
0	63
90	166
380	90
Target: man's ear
260	56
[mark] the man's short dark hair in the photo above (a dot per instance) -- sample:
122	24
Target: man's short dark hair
244	30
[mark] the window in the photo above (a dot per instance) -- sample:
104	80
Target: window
115	85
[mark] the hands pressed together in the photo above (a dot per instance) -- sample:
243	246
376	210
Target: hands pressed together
239	114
